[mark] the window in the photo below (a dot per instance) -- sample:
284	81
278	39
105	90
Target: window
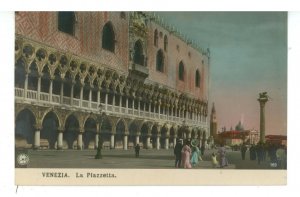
108	37
160	61
155	38
66	22
165	43
138	57
181	71
197	79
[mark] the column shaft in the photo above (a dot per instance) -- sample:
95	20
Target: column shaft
36	139
60	140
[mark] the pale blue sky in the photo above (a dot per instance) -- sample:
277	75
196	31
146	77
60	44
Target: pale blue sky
248	56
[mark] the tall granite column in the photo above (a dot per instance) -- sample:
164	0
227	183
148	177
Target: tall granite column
263	98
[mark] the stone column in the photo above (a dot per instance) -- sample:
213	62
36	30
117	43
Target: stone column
60	139
81	95
79	141
148	142
167	143
126	104
139	107
112	141
96	140
37	138
106	100
174	141
26	85
72	93
125	142
263	98
137	139
61	93
120	103
39	88
98	98
90	98
50	90
157	142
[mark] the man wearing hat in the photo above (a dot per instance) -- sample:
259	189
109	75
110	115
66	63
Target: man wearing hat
177	153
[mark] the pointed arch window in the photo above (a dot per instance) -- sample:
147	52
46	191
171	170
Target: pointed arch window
197	78
138	57
108	37
156	38
160	61
165	43
66	22
181	71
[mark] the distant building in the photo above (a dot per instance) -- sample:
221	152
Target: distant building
238	136
276	139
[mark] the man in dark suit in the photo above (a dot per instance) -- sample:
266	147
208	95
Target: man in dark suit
177	153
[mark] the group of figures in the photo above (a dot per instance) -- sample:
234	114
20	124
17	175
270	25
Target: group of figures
188	154
277	154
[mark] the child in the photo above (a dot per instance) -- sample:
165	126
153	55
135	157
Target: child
214	160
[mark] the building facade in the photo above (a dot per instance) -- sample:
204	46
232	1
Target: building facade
122	77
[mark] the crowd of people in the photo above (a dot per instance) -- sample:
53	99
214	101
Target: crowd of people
189	154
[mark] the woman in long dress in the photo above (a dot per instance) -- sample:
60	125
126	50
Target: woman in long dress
185	156
195	155
222	154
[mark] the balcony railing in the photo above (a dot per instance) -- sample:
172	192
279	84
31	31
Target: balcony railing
32	95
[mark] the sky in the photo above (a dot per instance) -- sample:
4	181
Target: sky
248	56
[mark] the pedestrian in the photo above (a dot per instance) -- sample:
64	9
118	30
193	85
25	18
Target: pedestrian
259	152
137	150
177	153
195	153
281	157
252	153
222	154
214	160
243	150
186	155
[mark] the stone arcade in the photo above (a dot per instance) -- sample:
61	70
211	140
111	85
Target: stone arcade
150	83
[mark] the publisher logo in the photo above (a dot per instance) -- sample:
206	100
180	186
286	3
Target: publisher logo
23	159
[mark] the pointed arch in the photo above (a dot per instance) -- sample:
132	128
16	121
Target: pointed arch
66	22
108	37
138	57
197	78
181	71
160	61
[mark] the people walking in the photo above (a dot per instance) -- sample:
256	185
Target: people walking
177	153
222	154
252	153
137	150
243	151
186	156
214	160
195	153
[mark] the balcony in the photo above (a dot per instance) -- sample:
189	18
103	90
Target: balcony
139	70
44	98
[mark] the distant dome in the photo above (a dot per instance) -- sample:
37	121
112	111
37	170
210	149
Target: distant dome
239	127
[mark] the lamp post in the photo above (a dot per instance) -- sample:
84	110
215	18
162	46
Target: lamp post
100	142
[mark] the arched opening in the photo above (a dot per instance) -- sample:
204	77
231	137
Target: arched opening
172	136
90	130
160	61
156	38
33	77
120	130
66	22
181	71
77	88
49	130
163	137
165	43
45	80
20	74
108	37
193	134
138	57
144	135
24	129
68	84
197	78
86	88
56	82
133	130
71	132
105	132
154	134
